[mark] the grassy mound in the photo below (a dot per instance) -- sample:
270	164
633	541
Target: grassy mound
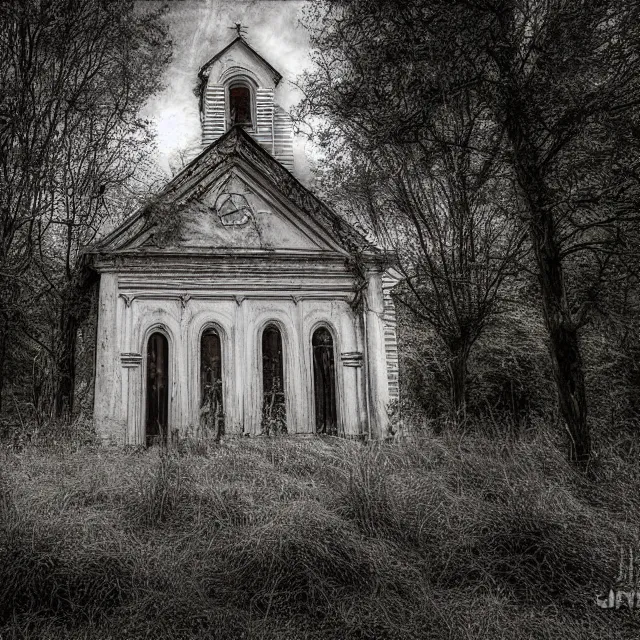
448	537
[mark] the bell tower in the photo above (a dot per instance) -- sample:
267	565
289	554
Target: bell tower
239	87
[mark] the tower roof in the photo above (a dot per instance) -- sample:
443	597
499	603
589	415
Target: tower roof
240	41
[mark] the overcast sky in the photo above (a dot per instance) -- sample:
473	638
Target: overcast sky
199	29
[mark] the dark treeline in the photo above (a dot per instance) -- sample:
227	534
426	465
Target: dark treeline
74	76
492	147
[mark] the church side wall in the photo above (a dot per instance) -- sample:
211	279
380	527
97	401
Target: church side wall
376	356
391	336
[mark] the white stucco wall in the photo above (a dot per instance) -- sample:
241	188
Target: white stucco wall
133	306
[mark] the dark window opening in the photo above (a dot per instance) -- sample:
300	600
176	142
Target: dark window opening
157	404
211	409
240	105
273	400
324	382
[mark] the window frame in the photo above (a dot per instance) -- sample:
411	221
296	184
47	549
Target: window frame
324	324
245	83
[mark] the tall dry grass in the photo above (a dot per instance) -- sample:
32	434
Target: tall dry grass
456	536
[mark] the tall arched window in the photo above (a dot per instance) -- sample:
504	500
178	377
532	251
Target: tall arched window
211	409
157	401
324	382
240	105
274	419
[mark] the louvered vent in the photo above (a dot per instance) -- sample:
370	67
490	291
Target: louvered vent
214	114
264	116
390	337
283	138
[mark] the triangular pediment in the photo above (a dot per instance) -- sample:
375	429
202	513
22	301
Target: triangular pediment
236	212
234	196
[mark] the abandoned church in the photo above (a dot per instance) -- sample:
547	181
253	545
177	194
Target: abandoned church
231	304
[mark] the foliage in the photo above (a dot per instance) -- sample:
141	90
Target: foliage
553	86
510	385
434	193
165	220
274	410
74	75
211	412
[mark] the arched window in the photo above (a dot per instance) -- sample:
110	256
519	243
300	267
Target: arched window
211	409
240	105
273	397
324	382
157	401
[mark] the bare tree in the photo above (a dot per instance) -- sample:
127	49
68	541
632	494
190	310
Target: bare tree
560	81
77	74
444	208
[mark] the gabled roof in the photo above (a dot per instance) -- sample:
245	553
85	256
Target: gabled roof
233	148
277	76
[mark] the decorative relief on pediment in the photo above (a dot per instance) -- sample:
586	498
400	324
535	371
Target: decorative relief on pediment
233	209
232	203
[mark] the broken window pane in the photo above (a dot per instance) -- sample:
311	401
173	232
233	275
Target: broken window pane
211	409
273	403
324	382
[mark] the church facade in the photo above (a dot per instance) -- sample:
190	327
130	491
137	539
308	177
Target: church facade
232	304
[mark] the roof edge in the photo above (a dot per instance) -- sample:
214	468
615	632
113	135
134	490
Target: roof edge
276	74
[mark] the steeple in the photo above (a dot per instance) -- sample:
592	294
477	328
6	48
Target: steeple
239	87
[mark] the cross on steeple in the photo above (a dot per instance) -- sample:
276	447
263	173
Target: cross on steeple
240	29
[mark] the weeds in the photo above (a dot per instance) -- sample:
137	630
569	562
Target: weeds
448	537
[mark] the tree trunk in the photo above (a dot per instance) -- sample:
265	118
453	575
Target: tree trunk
66	361
564	346
568	370
458	376
3	355
74	310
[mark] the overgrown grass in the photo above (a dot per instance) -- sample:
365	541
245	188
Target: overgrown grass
447	537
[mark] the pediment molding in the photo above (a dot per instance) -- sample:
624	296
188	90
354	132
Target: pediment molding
236	157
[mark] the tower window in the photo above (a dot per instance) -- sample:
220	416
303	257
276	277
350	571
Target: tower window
240	105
